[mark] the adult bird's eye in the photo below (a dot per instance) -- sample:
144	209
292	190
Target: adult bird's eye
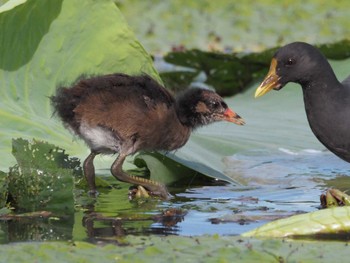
290	62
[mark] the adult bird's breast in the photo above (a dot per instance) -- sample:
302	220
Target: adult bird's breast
329	121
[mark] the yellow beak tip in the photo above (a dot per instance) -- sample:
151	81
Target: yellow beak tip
258	93
270	81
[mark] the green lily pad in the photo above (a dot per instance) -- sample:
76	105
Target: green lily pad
174	248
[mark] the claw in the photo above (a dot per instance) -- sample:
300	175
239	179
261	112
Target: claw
334	197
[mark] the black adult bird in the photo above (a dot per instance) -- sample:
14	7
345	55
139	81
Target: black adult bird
124	114
327	101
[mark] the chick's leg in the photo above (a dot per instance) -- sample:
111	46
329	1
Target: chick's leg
154	188
89	172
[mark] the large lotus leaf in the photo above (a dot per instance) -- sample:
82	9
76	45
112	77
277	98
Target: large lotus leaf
47	43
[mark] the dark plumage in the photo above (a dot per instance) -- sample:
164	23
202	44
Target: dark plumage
124	114
327	101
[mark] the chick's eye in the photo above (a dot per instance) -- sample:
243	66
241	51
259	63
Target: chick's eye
215	104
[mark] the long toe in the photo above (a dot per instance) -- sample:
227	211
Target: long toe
161	191
140	191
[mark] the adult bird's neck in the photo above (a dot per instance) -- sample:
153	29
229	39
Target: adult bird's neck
319	92
321	76
319	86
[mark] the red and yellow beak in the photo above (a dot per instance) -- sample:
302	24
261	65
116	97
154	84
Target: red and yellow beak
270	82
231	116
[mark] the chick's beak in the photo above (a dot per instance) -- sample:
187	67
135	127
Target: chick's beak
270	82
231	116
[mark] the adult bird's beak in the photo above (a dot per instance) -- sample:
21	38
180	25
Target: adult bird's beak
270	82
231	116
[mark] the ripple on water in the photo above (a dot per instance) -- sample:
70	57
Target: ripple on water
285	167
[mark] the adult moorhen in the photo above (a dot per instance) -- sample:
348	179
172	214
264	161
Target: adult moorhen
124	114
327	101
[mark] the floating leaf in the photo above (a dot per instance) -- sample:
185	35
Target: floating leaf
174	248
178	80
230	74
227	73
329	221
338	50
